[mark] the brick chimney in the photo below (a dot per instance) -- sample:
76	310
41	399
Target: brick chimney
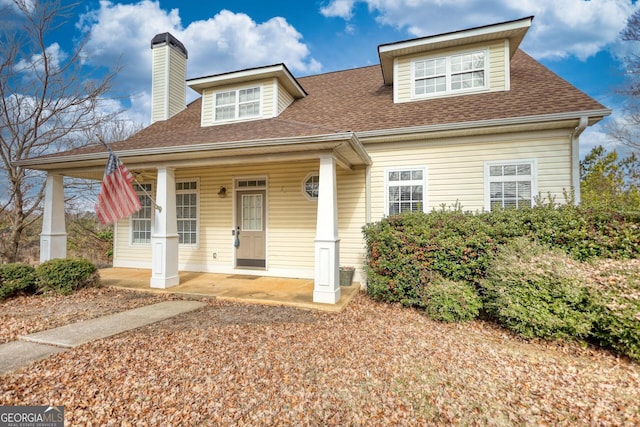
169	73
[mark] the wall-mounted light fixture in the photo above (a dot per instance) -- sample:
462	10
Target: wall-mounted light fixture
222	192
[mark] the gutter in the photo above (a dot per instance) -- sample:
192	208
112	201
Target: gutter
194	148
485	123
575	157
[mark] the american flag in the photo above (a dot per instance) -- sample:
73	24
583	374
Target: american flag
117	198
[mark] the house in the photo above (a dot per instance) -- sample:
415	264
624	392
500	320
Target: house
269	174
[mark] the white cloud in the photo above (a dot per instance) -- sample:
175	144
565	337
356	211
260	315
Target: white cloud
594	136
339	8
35	64
561	27
231	41
122	33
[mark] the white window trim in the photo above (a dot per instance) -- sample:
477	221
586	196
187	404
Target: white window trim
304	186
197	191
488	179
131	219
237	90
425	197
449	91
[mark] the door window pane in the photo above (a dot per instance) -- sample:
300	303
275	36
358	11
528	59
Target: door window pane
252	212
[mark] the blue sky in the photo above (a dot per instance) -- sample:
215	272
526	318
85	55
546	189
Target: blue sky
579	40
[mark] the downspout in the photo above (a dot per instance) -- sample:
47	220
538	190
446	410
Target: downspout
367	194
575	157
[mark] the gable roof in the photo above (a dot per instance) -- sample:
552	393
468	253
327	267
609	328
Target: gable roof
278	71
357	101
513	31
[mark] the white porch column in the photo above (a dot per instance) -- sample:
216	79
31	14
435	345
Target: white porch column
164	236
53	239
326	288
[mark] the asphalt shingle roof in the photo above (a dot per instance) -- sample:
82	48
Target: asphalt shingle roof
357	100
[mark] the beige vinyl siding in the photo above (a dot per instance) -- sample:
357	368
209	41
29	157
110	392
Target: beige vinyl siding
291	220
284	99
455	168
351	216
496	63
168	83
267	91
159	101
127	254
498	68
177	87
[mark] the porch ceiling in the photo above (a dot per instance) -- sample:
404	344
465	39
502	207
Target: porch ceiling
345	148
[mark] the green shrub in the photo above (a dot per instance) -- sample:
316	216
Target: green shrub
403	251
618	328
16	278
63	276
617	324
449	301
583	233
538	292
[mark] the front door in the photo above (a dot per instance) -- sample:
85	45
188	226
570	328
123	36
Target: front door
250	231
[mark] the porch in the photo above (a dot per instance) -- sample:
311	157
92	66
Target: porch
232	287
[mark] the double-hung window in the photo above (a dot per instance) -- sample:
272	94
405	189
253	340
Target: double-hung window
187	212
510	184
141	220
237	104
406	190
442	75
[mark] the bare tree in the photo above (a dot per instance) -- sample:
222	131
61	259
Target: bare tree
48	100
626	129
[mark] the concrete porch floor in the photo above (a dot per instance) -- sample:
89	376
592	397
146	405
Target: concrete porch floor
240	288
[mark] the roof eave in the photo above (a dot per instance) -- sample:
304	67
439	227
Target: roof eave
149	155
592	117
279	71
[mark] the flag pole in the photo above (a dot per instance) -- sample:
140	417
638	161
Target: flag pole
155	205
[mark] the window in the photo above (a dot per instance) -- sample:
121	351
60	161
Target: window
252	212
141	220
252	183
237	104
187	212
449	74
406	190
311	186
509	184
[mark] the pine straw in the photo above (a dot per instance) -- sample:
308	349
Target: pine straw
373	364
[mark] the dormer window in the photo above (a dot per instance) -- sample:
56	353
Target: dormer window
449	74
237	104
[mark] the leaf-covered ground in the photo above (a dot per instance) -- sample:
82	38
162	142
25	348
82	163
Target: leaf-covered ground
28	314
373	364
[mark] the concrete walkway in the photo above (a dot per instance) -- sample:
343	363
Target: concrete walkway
40	345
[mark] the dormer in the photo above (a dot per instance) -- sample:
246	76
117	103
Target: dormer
452	64
256	93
